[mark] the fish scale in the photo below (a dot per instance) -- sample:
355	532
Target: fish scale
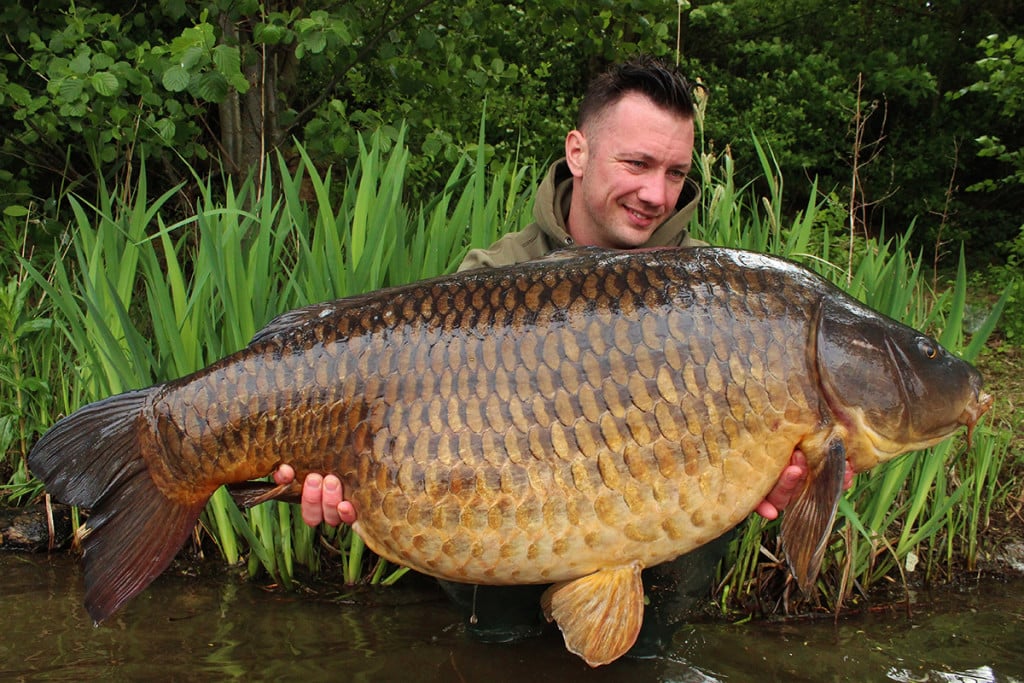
570	420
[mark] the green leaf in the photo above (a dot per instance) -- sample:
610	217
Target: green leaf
212	86
340	29
70	89
315	42
18	94
166	129
176	79
15	211
75	109
426	40
227	60
80	64
191	57
269	34
240	83
175	9
102	61
105	83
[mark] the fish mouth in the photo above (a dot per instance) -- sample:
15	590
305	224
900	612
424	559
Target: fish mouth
973	412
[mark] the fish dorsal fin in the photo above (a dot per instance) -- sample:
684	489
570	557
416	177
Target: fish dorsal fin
599	614
288	321
807	524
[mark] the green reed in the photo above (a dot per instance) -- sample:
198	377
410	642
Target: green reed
29	352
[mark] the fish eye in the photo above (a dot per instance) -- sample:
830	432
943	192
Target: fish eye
927	348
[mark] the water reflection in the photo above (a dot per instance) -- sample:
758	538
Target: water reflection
187	629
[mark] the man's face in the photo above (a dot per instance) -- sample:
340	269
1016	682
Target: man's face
628	170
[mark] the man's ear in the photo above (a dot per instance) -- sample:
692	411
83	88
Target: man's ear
576	151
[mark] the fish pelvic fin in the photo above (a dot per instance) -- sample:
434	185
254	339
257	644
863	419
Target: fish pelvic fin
599	614
92	459
249	494
807	524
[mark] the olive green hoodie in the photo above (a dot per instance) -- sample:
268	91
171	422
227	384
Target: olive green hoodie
548	231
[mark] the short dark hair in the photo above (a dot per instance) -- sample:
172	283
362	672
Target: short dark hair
658	80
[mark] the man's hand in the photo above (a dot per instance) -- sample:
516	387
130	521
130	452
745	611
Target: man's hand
323	498
790	482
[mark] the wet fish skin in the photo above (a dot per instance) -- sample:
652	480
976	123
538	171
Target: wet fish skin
567	420
520	455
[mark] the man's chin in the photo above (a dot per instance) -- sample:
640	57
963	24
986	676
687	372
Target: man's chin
632	238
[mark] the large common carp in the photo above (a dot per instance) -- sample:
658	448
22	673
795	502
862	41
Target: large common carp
567	421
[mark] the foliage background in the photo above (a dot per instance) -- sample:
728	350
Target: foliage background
930	92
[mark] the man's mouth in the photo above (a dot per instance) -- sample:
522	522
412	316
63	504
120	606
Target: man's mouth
640	217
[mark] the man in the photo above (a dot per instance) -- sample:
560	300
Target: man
623	184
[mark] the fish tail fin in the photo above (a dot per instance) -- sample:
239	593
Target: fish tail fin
92	459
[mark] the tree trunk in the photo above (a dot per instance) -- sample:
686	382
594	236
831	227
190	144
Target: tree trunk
249	121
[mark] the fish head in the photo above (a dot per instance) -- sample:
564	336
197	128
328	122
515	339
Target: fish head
892	388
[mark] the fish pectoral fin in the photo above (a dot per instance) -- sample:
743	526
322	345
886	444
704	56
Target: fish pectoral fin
599	614
807	523
247	494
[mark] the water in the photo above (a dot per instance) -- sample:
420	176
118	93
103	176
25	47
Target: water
186	628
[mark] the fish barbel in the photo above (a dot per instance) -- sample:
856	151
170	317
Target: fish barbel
570	421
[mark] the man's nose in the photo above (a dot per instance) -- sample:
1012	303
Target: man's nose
654	191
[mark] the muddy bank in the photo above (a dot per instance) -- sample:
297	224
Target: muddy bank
35	527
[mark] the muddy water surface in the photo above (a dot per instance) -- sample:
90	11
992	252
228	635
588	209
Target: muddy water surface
222	629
